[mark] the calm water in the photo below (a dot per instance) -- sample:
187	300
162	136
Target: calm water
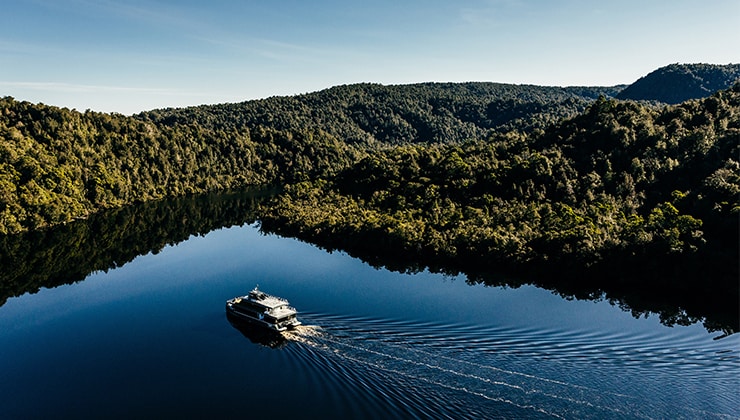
150	339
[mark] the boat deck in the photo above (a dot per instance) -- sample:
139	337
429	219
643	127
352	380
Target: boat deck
278	308
271	301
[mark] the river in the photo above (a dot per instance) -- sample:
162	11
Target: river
147	337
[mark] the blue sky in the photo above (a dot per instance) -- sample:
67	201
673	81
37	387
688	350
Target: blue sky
132	55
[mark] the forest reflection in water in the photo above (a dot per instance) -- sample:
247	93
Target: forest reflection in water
69	253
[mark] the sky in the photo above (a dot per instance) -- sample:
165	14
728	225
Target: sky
128	56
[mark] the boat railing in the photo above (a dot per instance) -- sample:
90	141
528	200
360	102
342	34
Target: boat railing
260	295
279	299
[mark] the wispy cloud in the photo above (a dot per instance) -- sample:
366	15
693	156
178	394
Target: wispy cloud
152	14
490	13
289	51
97	89
276	50
14	47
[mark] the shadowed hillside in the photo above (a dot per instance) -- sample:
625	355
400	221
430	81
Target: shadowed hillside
372	113
680	82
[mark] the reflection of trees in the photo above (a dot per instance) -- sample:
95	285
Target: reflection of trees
69	253
679	291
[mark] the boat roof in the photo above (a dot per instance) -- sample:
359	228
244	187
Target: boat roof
266	300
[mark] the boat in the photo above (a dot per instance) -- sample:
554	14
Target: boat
260	308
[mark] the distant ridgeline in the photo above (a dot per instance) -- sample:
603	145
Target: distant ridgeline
468	173
373	114
677	83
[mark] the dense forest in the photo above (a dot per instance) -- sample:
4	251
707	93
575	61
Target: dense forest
455	176
621	178
372	114
58	164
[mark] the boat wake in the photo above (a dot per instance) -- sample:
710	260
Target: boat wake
454	371
304	334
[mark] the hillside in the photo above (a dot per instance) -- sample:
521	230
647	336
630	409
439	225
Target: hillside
677	83
370	114
621	178
501	151
58	164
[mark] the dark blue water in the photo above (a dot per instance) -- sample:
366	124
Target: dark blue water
150	339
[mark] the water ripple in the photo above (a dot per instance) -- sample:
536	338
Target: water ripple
438	370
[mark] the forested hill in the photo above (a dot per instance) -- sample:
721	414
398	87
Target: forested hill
620	177
372	113
677	83
58	164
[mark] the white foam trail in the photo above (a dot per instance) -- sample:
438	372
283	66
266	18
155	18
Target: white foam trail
314	332
482	379
305	334
447	386
310	334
